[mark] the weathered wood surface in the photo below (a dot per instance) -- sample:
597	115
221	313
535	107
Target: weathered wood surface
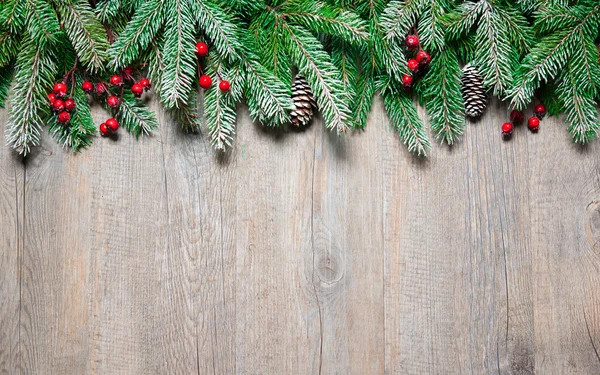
302	253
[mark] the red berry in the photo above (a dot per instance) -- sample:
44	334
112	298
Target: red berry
58	105
145	82
87	87
112	101
412	42
64	117
112	124
51	98
205	82
507	128
137	90
516	117
224	85
69	104
104	129
116	80
540	111
60	89
533	124
423	58
100	89
407	80
128	70
201	49
413	65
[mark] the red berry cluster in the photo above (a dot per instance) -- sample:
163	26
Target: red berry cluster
517	117
100	90
204	80
417	64
60	104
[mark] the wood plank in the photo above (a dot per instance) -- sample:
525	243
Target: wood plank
199	261
564	193
12	181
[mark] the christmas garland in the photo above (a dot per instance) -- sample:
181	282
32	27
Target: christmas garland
285	58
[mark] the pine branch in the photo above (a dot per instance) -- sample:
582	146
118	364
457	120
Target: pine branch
580	108
549	56
178	53
42	23
403	116
442	96
313	63
321	18
219	107
12	15
220	28
9	47
135	117
187	115
363	100
137	35
34	74
86	34
108	10
343	56
270	48
6	76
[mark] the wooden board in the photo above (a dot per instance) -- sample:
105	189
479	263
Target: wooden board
303	253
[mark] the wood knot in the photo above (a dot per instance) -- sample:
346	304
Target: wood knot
330	269
592	223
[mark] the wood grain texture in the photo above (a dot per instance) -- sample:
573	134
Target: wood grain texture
302	253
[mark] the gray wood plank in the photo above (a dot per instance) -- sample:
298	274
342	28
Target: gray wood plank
302	253
12	181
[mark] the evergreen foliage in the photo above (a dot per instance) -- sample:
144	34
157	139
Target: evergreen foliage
347	50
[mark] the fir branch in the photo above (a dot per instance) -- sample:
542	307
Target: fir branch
12	15
220	28
343	56
42	23
460	21
6	76
135	117
269	99
549	56
403	116
34	74
219	107
187	115
580	108
314	64
442	96
156	64
178	52
9	47
80	130
363	100
430	25
137	35
321	18
86	33
271	50
107	10
398	18
494	55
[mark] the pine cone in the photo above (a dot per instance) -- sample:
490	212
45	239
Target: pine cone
473	91
304	101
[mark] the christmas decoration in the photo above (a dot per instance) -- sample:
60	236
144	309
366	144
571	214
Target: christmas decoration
58	105
507	128
412	42
64	117
473	92
347	51
113	101
112	124
304	102
540	111
533	124
413	65
205	81
224	85
104	130
69	105
516	117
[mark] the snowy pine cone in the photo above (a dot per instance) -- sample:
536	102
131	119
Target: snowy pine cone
473	91
304	102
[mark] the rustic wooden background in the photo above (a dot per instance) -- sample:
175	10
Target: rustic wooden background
302	253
